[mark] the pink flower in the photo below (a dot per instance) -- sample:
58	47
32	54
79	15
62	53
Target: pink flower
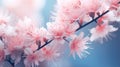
50	53
56	29
10	31
73	3
2	29
113	15
26	25
113	4
6	17
72	12
20	41
102	31
34	46
2	55
68	14
78	9
7	30
15	46
32	59
39	35
88	5
70	28
78	45
59	30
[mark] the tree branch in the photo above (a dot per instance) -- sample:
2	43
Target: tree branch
66	40
47	42
81	26
92	20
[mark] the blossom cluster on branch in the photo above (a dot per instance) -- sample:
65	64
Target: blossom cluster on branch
22	39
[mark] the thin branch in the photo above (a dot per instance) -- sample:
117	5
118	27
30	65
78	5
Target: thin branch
38	43
44	45
81	26
66	39
92	20
78	23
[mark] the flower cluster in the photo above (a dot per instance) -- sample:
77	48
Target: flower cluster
21	38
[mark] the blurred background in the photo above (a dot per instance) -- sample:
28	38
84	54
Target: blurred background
101	55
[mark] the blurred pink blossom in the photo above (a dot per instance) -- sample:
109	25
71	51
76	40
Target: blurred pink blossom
79	45
102	31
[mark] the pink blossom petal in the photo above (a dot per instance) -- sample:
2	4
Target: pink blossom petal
78	45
